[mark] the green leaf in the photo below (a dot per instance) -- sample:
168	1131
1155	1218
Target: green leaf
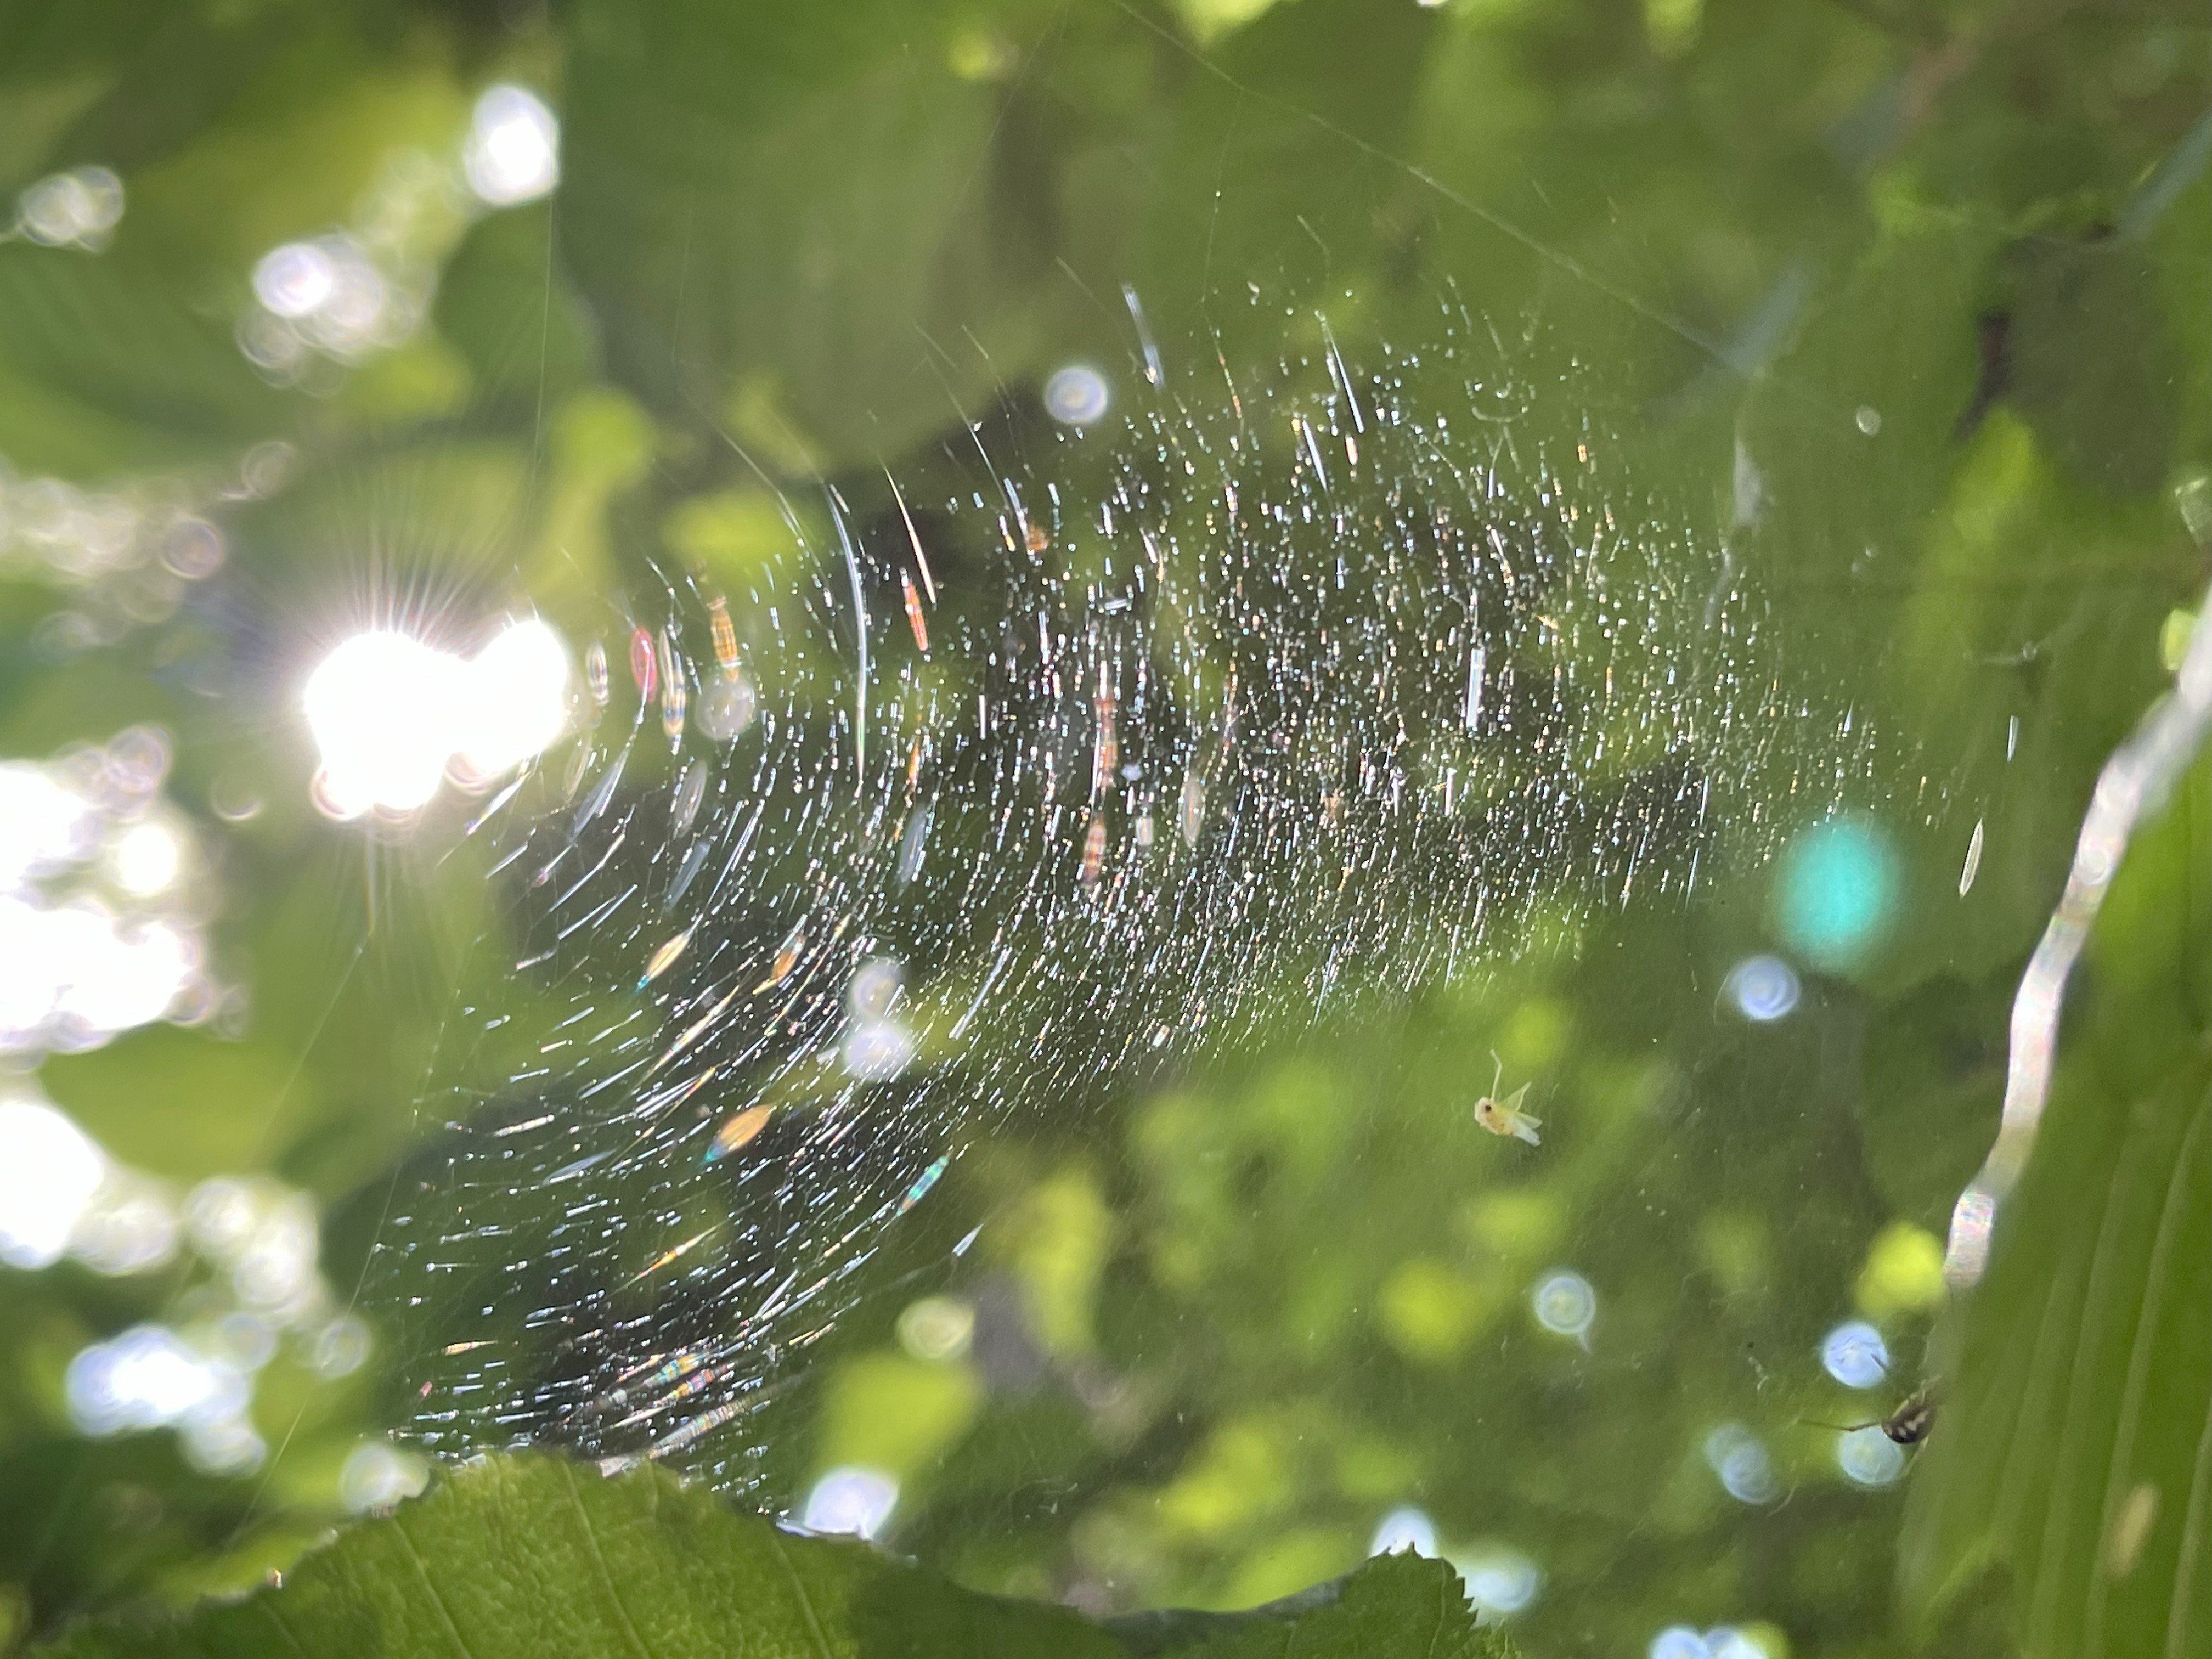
1395	1604
186	1104
2074	1450
534	1555
511	313
774	224
2093	367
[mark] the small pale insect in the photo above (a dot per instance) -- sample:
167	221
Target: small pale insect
1506	1117
1033	538
595	672
913	616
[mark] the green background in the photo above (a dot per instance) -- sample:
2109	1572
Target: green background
1278	1293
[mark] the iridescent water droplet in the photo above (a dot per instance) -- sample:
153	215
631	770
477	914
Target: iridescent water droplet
726	706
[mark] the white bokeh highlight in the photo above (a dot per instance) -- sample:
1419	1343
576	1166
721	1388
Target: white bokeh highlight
1404	1529
1679	1642
515	698
513	153
390	714
295	280
1500	1580
78	208
44	823
1763	988
1739	1459
850	1500
1565	1303
1855	1355
1077	395
73	975
148	1377
378	1475
1867	1457
49	1172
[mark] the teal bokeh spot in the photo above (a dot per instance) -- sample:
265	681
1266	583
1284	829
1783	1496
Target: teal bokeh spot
1837	893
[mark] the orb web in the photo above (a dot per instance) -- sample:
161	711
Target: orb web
1070	755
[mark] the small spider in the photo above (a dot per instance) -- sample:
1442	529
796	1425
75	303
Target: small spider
1908	1426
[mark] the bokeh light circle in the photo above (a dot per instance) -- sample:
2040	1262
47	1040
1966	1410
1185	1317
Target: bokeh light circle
514	149
1738	1458
1869	1457
726	705
295	280
1763	988
1404	1529
1838	892
1855	1355
1679	1642
1564	1302
1076	395
1500	1580
852	1499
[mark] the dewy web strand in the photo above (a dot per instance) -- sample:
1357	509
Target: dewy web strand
1007	789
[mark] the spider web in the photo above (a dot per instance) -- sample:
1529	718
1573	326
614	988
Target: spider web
1076	754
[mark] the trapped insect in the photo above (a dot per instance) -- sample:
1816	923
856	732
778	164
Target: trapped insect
1506	1117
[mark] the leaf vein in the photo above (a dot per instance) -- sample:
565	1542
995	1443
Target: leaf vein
2078	1403
268	1605
2179	1186
2021	1457
600	1561
2192	1536
437	1600
806	1601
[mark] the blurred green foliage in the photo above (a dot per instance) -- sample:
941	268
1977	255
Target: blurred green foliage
1938	277
530	1556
